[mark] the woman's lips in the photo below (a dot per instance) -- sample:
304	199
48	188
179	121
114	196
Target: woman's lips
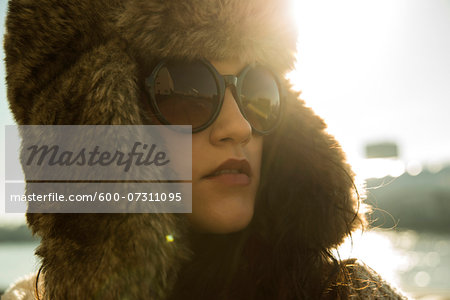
230	179
232	172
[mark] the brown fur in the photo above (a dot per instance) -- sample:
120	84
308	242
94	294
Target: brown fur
79	62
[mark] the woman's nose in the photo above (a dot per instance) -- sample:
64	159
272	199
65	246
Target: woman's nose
230	125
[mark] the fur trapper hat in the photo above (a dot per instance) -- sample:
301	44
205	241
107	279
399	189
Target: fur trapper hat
80	62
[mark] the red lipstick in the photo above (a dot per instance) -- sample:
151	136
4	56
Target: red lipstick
232	172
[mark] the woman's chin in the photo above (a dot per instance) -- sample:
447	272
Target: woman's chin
221	222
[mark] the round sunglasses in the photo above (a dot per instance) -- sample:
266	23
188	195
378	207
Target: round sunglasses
192	93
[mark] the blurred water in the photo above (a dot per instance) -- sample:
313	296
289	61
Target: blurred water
16	260
427	268
417	263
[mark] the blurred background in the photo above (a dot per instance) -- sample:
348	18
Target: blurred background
378	72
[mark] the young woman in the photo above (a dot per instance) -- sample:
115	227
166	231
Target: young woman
272	194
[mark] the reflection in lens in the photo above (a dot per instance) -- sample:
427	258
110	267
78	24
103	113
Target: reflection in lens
260	98
186	93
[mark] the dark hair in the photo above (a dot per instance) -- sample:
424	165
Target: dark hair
306	205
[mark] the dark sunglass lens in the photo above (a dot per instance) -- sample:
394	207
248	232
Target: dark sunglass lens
260	98
186	93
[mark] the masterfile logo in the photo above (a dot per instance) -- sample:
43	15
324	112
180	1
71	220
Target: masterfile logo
95	152
99	169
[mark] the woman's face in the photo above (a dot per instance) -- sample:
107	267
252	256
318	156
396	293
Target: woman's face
226	160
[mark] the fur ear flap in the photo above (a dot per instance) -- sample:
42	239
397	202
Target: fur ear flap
109	256
307	194
63	70
102	256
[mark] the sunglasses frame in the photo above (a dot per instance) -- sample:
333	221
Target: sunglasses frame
222	82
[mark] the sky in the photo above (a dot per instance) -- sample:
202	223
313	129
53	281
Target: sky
379	71
375	70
